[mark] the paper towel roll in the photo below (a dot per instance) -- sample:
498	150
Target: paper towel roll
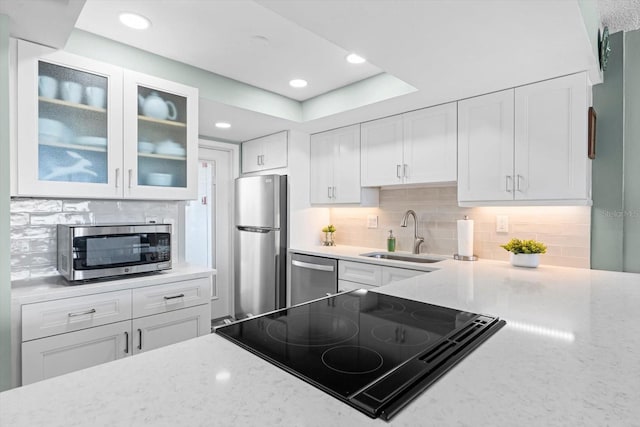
465	237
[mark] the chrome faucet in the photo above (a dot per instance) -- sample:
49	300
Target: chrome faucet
417	240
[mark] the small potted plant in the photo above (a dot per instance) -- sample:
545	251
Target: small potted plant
525	253
328	235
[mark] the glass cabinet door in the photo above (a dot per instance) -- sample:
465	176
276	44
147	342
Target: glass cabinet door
161	135
162	138
69	125
72	125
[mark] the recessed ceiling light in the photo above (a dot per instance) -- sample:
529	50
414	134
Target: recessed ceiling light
298	83
352	58
135	21
223	125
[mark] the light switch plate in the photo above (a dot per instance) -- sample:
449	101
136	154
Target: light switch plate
372	221
502	224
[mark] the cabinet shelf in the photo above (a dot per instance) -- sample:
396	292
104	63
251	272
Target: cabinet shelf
74	146
72	105
162	156
146	119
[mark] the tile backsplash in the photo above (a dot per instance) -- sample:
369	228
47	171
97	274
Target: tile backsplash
564	229
33	226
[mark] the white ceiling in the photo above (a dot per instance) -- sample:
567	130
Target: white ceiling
446	49
620	15
227	37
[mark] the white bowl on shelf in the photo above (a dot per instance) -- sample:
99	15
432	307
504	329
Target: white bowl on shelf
92	141
146	147
159	179
170	148
50	130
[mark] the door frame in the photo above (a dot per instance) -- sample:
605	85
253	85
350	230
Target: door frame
234	168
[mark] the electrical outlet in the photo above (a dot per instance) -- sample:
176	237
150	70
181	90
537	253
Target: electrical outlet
502	224
372	221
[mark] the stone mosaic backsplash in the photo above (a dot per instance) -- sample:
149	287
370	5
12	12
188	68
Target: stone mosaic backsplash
33	226
566	230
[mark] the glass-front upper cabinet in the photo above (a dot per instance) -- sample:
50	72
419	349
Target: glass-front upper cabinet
69	136
161	138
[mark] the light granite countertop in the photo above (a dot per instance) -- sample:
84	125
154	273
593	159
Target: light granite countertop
569	356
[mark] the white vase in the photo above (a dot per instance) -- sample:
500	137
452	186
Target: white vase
525	260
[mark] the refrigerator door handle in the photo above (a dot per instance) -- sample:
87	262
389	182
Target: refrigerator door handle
311	266
254	229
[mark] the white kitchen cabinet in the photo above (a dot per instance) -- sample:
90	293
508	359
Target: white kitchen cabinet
335	169
526	145
164	114
160	330
357	275
64	335
79	130
485	147
394	274
60	354
267	152
418	147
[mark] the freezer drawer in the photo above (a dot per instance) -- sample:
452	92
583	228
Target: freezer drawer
312	277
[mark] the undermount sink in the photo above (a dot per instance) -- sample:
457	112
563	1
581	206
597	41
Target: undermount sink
406	258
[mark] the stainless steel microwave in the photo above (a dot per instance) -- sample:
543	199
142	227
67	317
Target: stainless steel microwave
98	251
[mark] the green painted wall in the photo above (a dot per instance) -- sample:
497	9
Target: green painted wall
632	151
615	226
5	268
607	220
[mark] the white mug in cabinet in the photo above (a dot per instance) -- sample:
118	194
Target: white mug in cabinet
71	92
96	96
47	87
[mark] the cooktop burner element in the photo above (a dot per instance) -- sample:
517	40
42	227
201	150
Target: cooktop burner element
322	329
352	359
374	352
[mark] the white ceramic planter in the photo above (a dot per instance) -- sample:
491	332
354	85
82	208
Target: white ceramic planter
525	260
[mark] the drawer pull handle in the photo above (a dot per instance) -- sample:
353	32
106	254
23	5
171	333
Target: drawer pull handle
174	297
83	313
140	339
126	342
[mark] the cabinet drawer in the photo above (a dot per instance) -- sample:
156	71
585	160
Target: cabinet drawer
169	297
358	272
345	285
393	274
48	318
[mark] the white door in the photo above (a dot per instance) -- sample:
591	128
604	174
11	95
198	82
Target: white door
60	354
346	170
160	330
485	147
208	225
322	159
430	151
550	139
381	152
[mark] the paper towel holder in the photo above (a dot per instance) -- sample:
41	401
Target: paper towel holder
459	257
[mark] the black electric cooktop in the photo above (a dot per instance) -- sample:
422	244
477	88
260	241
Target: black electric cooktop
375	352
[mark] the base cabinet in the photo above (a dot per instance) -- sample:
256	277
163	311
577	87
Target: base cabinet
60	354
65	335
160	330
360	275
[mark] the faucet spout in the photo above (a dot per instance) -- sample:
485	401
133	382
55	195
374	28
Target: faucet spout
417	240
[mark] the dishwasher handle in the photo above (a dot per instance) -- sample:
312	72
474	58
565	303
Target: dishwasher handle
311	266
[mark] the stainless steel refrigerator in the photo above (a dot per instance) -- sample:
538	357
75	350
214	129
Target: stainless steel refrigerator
260	244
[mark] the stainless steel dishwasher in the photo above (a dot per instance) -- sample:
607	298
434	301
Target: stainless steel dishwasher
312	277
